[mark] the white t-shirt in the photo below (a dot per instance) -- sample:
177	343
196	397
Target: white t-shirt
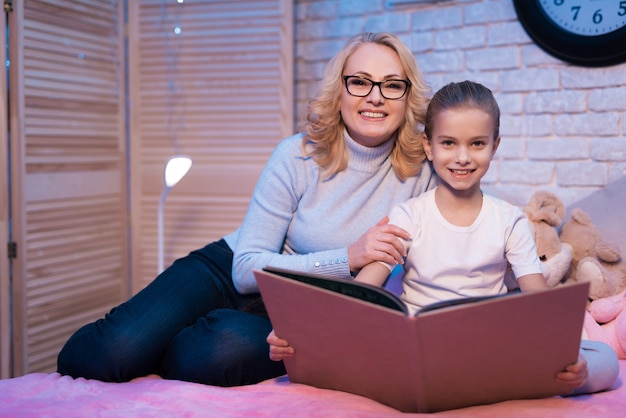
446	262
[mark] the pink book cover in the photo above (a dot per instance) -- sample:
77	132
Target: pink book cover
356	338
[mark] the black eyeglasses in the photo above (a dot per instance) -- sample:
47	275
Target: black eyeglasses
389	89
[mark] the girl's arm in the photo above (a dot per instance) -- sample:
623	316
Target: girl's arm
374	273
532	282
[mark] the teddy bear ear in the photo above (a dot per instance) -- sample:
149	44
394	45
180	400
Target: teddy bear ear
533	206
545	207
580	216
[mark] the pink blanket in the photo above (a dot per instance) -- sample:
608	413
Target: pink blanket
52	395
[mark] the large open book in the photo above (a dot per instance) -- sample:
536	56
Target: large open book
359	339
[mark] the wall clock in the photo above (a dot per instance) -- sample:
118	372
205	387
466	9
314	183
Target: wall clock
589	33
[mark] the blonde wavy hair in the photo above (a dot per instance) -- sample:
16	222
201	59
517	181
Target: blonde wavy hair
324	127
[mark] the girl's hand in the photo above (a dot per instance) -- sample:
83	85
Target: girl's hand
379	243
279	348
575	374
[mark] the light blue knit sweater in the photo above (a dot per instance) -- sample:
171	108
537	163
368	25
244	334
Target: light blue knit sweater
298	221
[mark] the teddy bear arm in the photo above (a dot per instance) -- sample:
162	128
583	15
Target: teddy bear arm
608	252
608	308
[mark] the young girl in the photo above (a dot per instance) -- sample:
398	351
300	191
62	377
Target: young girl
460	239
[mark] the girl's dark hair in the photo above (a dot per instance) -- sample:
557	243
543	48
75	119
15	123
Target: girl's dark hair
463	94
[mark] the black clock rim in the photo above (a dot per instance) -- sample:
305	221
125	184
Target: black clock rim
588	51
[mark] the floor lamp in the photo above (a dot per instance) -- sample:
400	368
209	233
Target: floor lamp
175	169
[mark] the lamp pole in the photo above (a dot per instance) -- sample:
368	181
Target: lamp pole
175	169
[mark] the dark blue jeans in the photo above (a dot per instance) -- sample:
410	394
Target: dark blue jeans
188	324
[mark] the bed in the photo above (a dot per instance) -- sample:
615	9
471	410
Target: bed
53	395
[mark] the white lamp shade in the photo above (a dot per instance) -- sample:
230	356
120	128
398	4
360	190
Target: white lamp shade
175	169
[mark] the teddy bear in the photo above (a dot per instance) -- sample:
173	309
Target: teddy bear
545	211
600	263
594	260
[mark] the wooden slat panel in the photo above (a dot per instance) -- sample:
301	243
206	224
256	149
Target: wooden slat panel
71	224
220	92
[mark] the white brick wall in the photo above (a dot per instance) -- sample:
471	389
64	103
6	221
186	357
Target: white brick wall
563	127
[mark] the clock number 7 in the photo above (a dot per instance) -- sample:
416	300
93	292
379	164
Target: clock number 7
576	10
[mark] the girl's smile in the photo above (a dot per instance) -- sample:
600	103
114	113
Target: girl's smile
461	148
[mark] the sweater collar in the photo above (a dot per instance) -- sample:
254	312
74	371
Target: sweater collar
365	158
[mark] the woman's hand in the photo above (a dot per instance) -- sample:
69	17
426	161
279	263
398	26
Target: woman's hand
379	243
575	374
279	348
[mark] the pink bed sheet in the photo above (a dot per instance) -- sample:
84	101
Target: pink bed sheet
53	395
